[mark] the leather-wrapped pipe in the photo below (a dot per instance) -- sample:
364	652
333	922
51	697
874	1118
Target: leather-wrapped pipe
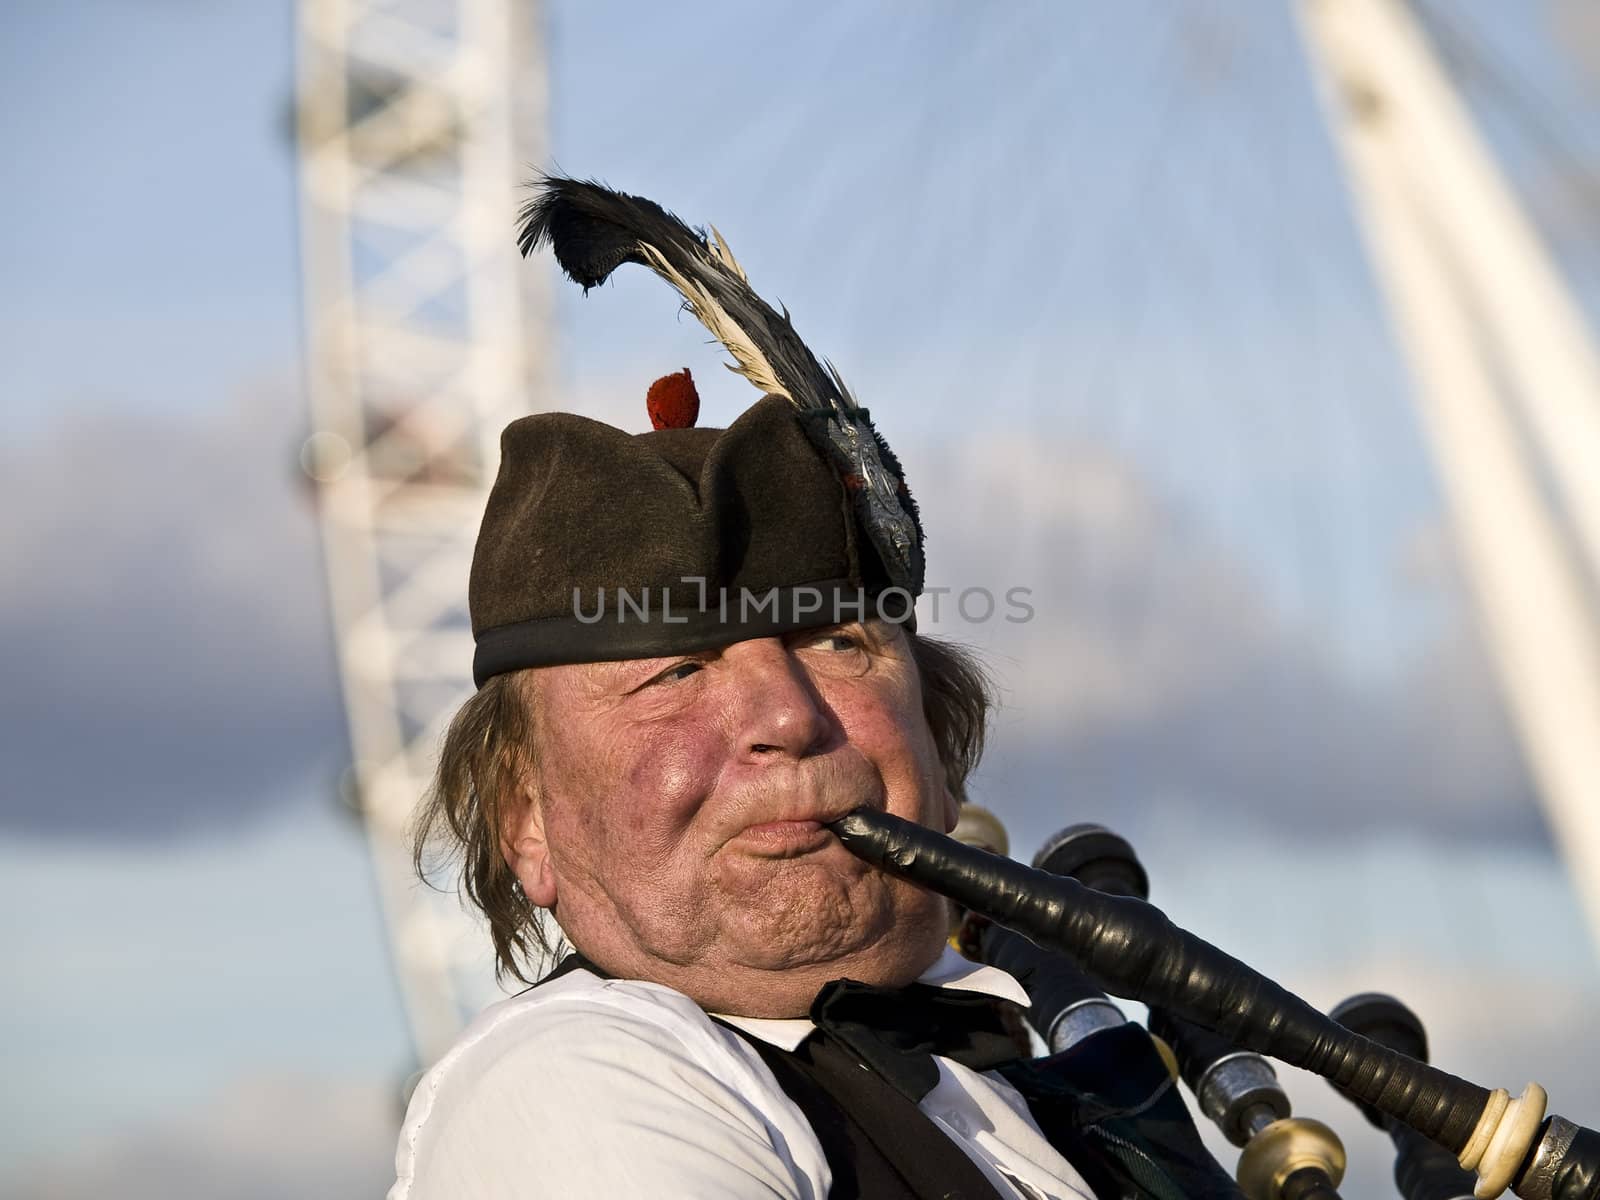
1284	1157
1065	1006
1237	1089
1135	951
1423	1170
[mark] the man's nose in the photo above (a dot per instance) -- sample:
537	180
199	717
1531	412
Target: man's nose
780	710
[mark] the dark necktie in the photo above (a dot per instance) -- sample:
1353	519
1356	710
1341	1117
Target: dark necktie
897	1031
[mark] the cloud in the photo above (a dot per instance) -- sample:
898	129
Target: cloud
1155	670
263	1138
171	665
168	657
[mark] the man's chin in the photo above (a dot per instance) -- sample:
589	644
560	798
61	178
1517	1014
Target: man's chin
817	919
784	983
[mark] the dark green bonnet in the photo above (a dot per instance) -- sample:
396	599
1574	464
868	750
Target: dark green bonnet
598	544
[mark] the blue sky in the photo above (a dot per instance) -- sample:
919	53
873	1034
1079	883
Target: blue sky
1092	268
150	214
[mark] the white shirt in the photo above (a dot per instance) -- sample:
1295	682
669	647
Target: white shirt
620	1089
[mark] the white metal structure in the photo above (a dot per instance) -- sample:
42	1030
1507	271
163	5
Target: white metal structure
1507	382
417	121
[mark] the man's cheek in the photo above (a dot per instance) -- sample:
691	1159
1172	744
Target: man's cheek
669	781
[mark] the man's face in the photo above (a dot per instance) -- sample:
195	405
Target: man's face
674	820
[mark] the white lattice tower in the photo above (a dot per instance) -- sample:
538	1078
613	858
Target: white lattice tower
417	122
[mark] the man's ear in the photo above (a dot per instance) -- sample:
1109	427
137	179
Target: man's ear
952	809
522	843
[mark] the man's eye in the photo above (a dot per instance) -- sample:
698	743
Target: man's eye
681	671
837	641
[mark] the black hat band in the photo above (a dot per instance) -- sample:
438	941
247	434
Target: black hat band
609	625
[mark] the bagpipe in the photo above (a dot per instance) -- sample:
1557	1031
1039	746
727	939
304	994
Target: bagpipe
1076	925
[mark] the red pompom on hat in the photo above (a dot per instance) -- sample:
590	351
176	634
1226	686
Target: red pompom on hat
672	401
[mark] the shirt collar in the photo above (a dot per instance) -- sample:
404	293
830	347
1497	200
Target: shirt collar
949	971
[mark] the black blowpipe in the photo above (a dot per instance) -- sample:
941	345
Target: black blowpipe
1137	952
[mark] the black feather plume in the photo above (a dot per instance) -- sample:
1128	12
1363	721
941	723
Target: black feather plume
594	230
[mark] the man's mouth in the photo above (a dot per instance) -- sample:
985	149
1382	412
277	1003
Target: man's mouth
784	839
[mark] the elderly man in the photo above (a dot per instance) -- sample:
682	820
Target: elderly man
696	648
